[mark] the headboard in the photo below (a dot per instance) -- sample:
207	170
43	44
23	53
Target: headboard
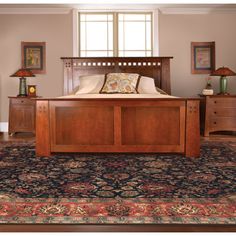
154	67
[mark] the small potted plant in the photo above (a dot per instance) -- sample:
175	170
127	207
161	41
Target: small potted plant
208	85
208	89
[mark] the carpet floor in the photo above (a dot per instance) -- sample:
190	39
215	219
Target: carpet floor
118	188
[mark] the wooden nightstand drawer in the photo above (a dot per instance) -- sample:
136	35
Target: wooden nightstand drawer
222	112
21	115
23	101
219	112
223	123
222	102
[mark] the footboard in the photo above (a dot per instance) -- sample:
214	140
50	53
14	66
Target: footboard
121	125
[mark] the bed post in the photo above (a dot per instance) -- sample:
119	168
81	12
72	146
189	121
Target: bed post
192	131
165	75
42	129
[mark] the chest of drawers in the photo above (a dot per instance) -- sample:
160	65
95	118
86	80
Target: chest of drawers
220	113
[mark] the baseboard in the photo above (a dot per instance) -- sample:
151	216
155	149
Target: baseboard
3	126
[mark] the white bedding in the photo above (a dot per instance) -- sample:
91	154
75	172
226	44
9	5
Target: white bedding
91	96
89	87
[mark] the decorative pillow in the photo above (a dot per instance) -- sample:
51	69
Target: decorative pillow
120	83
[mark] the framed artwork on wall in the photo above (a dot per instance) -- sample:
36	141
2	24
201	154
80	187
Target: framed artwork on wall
202	57
33	56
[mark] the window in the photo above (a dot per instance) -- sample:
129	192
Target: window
96	35
115	34
135	35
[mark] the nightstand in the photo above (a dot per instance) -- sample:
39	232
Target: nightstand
218	113
21	115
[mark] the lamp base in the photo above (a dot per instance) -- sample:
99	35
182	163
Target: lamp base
22	95
223	85
22	88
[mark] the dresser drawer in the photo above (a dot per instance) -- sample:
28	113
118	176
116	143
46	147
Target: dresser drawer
222	112
23	101
223	123
222	102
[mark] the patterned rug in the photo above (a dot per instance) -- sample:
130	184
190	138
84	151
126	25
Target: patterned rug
118	188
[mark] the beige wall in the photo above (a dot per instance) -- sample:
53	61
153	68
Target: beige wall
55	30
177	32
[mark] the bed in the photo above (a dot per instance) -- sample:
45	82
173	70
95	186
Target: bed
113	124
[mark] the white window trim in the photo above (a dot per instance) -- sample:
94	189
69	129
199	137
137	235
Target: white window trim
155	28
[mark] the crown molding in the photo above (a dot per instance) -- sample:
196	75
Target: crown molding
195	11
163	10
35	11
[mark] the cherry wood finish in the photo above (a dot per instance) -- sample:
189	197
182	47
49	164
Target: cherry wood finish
42	129
220	113
192	129
21	115
154	67
118	125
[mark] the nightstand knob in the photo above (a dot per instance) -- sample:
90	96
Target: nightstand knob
215	112
215	102
22	101
215	122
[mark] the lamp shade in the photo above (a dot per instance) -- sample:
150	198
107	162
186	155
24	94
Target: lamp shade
223	71
23	73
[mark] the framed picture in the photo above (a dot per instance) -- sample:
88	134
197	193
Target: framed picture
33	56
202	57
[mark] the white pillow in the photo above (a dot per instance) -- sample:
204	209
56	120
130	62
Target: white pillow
147	86
90	84
93	84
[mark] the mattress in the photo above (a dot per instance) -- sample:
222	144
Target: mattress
118	96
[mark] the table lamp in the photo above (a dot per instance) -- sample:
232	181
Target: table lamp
223	72
22	73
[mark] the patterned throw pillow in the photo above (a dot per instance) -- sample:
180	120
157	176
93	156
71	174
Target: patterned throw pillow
120	83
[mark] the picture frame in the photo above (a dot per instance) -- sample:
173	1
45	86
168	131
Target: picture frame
202	57
33	56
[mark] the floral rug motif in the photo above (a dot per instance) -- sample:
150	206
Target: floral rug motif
118	188
118	211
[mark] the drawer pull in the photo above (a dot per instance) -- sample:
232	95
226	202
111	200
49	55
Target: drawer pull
22	101
215	102
215	112
215	122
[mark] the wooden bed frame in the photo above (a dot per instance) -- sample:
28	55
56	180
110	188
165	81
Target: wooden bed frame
163	125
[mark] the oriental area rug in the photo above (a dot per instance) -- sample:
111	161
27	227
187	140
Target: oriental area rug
117	188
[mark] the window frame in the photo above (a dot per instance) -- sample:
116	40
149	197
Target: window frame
97	13
154	28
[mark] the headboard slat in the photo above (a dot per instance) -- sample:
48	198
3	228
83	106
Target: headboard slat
156	67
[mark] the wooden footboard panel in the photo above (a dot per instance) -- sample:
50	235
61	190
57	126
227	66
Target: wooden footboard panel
123	125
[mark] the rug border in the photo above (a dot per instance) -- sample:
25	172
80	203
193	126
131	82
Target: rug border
116	228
